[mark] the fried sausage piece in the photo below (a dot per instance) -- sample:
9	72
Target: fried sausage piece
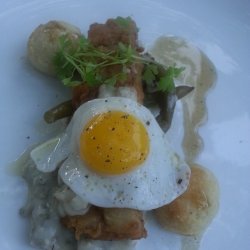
107	224
108	36
83	93
111	33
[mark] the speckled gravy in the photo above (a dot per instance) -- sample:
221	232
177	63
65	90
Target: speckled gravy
200	73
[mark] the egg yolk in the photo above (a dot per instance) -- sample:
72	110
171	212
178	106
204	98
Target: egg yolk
114	143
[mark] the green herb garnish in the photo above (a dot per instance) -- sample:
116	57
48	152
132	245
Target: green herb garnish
166	82
155	73
83	63
150	73
123	22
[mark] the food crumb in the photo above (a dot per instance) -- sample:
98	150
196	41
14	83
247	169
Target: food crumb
179	181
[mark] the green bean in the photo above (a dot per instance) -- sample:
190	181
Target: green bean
60	111
182	91
166	102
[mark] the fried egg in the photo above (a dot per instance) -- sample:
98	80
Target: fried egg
117	156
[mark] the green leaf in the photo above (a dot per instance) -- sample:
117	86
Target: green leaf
154	68
80	62
111	81
148	75
90	78
122	47
123	22
166	82
69	83
90	67
177	71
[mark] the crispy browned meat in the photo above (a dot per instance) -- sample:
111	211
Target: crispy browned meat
110	223
107	224
107	36
83	93
110	34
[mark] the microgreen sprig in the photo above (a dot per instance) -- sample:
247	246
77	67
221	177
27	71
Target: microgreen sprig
81	62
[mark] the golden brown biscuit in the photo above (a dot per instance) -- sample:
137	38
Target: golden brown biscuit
44	43
193	211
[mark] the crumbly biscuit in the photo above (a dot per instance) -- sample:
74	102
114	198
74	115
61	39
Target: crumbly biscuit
193	211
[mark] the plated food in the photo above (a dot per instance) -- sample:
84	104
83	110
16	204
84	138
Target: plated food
92	184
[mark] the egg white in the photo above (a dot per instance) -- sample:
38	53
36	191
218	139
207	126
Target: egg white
154	183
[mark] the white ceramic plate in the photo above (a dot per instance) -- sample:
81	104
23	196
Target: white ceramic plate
220	28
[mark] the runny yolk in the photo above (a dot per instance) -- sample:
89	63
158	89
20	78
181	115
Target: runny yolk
114	143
